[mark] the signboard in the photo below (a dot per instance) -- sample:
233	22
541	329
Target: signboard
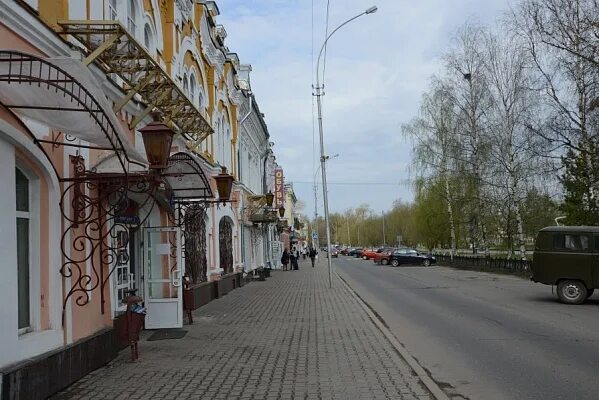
314	235
279	188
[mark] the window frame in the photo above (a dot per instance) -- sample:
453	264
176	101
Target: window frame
34	246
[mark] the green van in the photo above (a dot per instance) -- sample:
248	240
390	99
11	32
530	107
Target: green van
568	256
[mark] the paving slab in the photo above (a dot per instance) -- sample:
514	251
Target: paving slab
289	337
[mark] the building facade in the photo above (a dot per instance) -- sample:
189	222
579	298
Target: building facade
135	161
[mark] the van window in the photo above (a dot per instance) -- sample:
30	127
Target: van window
571	242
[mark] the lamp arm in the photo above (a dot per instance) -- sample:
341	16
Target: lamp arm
325	43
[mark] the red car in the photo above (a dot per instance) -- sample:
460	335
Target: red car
368	254
383	256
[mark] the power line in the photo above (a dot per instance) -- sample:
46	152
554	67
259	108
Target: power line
398	183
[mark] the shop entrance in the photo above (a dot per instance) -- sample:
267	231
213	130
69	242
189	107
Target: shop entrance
163	277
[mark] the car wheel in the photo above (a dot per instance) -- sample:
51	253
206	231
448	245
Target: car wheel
590	292
571	292
426	263
395	263
384	261
364	258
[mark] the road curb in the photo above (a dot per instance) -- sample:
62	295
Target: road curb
430	384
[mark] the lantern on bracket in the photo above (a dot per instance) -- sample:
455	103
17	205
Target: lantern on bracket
224	184
281	211
157	138
269	199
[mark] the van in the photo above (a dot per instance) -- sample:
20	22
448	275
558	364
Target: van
568	256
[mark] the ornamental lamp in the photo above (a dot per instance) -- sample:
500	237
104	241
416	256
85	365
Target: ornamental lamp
269	199
281	211
157	138
224	184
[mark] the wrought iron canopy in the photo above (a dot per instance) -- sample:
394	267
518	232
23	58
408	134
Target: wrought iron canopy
117	52
186	178
60	93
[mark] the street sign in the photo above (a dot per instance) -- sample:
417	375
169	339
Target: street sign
314	235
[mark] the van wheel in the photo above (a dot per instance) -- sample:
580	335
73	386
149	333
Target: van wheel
590	292
571	292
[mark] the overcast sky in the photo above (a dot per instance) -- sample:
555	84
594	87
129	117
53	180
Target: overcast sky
377	68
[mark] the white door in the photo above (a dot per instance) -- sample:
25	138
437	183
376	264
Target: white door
163	277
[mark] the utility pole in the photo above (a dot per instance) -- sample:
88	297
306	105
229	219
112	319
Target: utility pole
348	237
384	237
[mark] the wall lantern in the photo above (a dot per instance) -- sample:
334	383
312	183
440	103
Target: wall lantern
224	184
157	138
281	211
269	199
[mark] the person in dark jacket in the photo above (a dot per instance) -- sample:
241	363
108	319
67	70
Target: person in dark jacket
312	255
285	259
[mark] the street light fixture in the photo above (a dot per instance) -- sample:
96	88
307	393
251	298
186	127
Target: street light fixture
319	93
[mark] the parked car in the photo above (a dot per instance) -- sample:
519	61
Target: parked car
355	252
566	256
371	253
407	256
334	253
383	256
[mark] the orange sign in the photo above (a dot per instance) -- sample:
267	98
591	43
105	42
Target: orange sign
279	188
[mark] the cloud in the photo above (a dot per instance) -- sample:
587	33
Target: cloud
377	68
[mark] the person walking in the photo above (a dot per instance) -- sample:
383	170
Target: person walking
285	259
304	252
294	258
312	255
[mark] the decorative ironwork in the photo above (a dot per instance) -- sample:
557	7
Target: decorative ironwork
186	178
96	234
26	69
225	240
114	49
196	263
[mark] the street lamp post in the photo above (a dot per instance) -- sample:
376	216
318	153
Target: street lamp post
319	93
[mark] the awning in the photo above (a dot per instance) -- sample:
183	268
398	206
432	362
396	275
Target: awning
63	94
186	178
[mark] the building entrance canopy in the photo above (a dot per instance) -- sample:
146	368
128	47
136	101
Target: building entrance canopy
63	94
186	178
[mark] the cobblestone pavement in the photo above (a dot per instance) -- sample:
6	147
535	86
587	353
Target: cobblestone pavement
290	337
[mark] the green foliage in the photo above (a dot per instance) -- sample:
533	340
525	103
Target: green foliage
581	205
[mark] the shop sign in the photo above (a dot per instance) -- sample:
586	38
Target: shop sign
279	188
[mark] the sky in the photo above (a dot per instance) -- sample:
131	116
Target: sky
377	68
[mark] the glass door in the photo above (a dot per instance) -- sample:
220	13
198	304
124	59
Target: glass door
163	278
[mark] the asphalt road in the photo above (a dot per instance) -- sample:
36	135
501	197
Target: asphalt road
485	336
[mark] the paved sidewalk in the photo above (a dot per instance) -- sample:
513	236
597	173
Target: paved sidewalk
288	337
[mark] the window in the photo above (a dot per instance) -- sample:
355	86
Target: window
571	242
148	38
112	10
200	100
131	20
192	88
185	83
23	217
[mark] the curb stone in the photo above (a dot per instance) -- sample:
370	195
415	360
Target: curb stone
430	384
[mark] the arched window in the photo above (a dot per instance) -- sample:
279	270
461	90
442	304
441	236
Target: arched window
225	244
185	83
148	38
23	250
131	19
192	88
200	100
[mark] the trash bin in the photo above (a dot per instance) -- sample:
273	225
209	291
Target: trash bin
133	323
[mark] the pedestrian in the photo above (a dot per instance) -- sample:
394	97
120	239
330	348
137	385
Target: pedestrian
304	253
313	255
285	259
294	258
